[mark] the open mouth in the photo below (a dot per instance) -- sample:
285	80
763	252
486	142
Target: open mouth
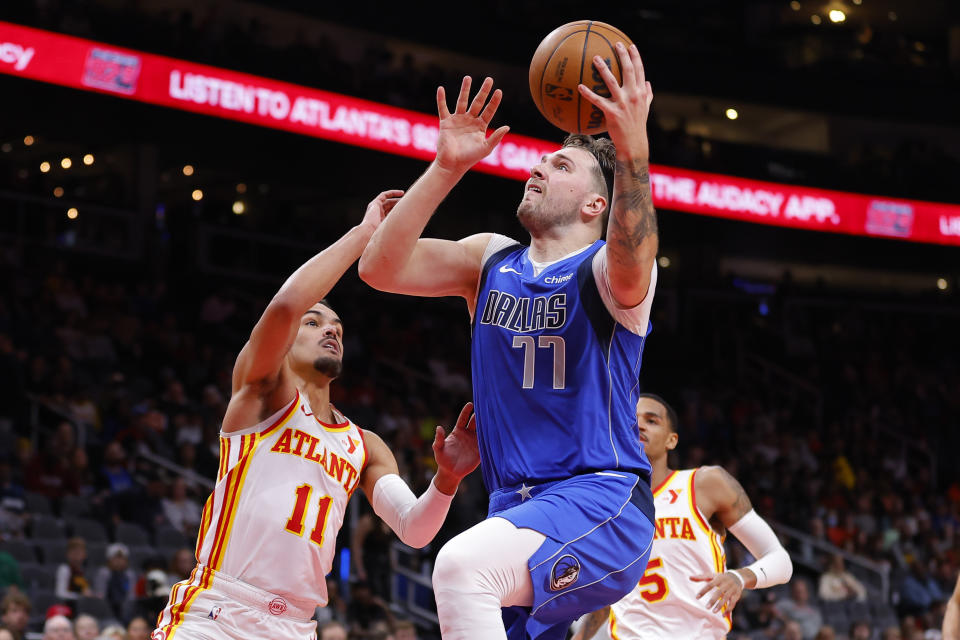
330	345
534	188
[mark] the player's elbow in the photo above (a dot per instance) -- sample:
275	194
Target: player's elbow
415	540
373	272
787	564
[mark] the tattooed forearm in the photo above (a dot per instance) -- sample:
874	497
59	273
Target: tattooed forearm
740	506
633	218
593	623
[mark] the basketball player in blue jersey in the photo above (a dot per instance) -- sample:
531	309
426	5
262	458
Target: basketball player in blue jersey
558	329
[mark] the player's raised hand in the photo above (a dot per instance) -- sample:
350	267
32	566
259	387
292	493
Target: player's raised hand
380	206
627	108
726	590
458	453
463	140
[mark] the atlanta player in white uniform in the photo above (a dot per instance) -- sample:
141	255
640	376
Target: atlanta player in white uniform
289	462
687	590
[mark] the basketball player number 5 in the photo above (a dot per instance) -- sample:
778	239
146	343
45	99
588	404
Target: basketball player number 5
295	523
529	346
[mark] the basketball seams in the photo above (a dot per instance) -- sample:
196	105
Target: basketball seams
583	56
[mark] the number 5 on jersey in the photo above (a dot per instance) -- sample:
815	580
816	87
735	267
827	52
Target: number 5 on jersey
295	523
653	586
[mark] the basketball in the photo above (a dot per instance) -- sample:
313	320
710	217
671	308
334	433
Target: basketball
563	60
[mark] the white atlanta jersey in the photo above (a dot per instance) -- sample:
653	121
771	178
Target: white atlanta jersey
273	517
664	603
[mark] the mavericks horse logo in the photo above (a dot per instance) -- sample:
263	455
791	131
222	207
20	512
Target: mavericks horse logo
565	572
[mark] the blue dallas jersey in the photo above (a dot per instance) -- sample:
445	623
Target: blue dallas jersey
555	376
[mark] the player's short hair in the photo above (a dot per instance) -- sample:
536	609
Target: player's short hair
326	302
605	152
672	421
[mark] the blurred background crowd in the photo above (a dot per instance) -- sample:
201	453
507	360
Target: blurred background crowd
828	385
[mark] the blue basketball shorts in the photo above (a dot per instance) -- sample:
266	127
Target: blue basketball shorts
599	528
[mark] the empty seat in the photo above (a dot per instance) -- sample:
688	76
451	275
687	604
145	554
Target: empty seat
167	536
38	503
88	529
38	576
96	607
21	550
52	551
131	534
74	507
46	527
96	553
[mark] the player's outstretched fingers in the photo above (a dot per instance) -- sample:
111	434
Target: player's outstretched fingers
442	103
464	96
608	78
478	100
637	63
492	106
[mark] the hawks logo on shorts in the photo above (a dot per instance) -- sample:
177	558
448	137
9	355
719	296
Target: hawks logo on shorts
277	606
159	634
565	572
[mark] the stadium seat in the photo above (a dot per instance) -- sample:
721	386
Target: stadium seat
131	534
47	527
88	529
38	576
41	600
96	607
96	553
20	550
38	503
143	553
858	610
53	551
74	507
168	536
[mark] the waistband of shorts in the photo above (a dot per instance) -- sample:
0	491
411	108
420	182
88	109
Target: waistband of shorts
506	497
259	599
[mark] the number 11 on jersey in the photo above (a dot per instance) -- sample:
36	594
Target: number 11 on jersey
295	523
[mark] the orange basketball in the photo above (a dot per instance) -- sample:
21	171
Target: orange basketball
563	60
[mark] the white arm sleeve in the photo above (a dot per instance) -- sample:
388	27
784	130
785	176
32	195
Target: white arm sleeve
635	319
415	520
773	565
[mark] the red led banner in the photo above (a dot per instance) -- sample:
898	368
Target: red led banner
92	66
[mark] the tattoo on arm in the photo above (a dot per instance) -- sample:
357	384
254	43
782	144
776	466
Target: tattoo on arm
633	218
594	621
740	506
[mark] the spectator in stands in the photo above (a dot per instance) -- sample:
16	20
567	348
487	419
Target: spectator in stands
115	581
86	627
182	511
793	631
861	630
71	578
49	471
404	630
336	607
332	630
113	632
138	629
181	564
9	572
6	634
15	612
798	608
892	633
826	633
918	589
13	503
365	608
58	627
837	584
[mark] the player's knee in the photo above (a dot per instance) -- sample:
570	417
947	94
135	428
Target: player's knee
455	568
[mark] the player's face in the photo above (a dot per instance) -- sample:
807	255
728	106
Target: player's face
655	433
559	187
319	342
